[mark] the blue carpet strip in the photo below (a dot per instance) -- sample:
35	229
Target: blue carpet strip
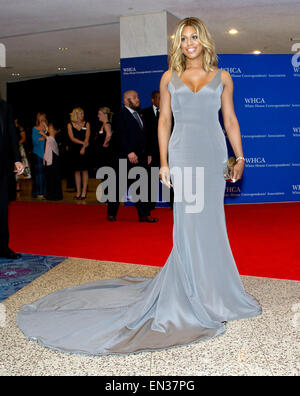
15	274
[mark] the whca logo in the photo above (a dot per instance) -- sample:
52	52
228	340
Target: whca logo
296	57
2	55
255	100
233	70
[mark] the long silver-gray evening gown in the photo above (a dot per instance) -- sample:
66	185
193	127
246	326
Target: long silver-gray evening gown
199	287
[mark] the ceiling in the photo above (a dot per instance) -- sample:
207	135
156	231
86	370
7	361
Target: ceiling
33	30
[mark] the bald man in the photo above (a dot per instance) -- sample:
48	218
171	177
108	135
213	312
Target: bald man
131	141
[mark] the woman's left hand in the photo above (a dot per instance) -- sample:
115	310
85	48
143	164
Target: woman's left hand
237	171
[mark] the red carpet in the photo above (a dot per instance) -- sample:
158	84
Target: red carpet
264	237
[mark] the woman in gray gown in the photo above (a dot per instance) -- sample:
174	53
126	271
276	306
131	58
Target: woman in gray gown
199	288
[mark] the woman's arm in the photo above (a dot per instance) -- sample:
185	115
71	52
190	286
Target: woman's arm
164	127
23	136
231	123
87	134
165	118
108	132
43	135
71	136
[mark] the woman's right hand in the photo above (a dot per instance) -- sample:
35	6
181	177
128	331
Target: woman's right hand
164	175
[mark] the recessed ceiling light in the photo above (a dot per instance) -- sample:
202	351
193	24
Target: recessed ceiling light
256	52
233	31
61	68
15	74
63	49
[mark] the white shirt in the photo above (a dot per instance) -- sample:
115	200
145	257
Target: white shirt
155	109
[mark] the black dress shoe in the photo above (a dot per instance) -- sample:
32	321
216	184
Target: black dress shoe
111	218
8	253
148	219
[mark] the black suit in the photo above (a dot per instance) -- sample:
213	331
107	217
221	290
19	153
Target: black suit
9	154
129	137
151	120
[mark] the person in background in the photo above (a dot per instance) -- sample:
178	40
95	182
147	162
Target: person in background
131	143
9	154
79	132
151	117
38	150
102	149
52	165
21	134
66	160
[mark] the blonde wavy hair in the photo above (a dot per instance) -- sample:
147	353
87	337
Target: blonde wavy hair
74	114
106	110
177	60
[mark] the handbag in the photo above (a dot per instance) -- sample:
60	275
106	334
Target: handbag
228	168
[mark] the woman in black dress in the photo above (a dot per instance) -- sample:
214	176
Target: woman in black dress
79	133
102	148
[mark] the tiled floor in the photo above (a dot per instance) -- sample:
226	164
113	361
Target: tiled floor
267	345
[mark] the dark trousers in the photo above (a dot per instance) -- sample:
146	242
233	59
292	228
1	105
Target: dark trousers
53	180
153	185
143	208
39	176
4	234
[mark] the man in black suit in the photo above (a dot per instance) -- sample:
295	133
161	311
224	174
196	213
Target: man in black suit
9	157
130	142
151	117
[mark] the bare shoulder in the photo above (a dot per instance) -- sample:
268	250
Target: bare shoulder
226	77
166	77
